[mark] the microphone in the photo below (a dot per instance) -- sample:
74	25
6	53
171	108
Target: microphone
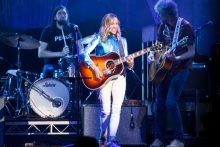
76	28
211	23
208	23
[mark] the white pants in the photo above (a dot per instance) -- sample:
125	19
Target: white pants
110	112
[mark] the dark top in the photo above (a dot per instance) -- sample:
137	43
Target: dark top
54	38
166	37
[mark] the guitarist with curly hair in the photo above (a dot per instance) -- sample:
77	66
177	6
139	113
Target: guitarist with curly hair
172	65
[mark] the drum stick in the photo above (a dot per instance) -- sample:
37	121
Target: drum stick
64	39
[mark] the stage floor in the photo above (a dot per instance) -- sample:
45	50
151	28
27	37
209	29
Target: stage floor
68	141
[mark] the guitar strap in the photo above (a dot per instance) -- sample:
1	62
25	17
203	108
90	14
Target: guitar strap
122	53
121	49
176	33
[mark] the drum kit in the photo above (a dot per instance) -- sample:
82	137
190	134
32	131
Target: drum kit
47	97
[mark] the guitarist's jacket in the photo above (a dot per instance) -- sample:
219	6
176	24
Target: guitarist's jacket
165	35
100	48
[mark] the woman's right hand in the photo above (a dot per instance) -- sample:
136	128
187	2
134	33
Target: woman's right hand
97	72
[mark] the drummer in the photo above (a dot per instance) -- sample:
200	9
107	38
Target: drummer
57	40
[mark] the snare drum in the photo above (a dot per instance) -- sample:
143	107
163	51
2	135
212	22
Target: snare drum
49	97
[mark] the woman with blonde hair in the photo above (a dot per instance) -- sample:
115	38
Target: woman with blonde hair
111	95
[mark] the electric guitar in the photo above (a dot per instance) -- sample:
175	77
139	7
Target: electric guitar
159	68
111	65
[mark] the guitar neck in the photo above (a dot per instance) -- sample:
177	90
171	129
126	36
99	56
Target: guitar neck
134	55
180	43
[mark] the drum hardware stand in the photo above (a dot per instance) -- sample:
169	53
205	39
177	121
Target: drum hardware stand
19	83
24	108
7	100
7	104
19	41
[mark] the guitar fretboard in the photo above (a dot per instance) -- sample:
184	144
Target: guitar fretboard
138	53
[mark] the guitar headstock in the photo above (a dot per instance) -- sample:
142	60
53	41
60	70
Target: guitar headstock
183	41
157	46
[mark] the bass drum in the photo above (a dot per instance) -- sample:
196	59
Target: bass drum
49	97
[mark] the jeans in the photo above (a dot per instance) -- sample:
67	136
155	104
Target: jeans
168	93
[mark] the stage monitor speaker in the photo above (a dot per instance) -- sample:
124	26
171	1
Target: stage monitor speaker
132	126
90	120
198	78
2	119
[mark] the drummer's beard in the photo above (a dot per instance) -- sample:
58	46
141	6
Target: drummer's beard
62	22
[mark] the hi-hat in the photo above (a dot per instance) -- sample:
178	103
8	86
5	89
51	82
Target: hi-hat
14	39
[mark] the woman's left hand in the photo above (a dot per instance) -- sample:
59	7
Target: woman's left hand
130	61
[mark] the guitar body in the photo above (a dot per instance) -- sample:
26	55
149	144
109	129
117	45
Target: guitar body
107	65
158	71
111	65
159	68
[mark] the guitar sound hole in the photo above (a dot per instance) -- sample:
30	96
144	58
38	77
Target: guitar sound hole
110	65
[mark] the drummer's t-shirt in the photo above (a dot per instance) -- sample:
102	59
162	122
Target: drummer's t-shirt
54	38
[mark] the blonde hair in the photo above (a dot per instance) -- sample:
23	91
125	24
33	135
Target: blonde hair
105	24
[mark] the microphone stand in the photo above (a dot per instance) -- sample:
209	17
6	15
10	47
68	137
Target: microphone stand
90	93
136	77
132	122
77	78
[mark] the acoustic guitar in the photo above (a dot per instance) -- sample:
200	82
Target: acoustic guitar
159	68
110	64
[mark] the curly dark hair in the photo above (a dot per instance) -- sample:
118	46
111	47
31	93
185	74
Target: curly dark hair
166	7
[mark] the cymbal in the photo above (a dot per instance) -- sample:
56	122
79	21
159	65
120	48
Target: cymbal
26	42
86	40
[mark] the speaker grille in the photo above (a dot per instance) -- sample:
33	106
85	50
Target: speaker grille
132	126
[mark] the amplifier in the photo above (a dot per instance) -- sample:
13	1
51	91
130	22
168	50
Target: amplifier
132	126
